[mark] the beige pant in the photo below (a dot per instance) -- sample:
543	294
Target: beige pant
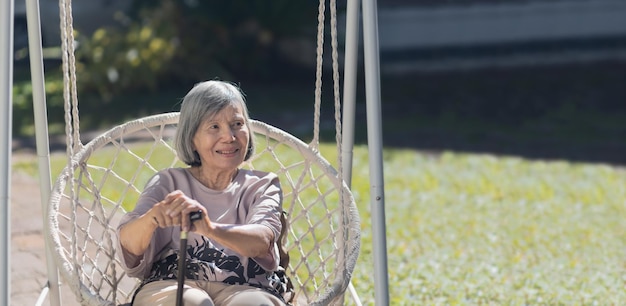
198	293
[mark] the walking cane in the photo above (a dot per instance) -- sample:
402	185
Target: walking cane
182	258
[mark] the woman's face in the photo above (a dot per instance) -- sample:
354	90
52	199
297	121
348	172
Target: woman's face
222	141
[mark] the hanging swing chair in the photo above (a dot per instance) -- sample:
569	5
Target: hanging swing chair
103	179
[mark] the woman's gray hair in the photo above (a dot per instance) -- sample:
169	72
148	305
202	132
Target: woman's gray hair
203	101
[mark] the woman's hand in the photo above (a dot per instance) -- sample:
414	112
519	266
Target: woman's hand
251	240
160	214
176	209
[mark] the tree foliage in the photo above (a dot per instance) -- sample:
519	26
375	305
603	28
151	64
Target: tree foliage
171	42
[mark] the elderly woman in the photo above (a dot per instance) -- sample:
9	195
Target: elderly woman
233	252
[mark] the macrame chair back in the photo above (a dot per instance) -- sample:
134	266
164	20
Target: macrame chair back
106	176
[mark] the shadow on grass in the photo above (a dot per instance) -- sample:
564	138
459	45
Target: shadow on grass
574	112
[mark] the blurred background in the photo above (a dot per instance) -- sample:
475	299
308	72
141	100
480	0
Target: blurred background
540	79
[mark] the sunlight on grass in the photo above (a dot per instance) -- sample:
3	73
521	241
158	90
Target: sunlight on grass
480	229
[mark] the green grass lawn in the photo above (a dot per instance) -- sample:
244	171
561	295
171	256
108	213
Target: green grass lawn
480	229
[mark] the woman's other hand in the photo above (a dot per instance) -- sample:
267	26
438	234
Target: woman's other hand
176	209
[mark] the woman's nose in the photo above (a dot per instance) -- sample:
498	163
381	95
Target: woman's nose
228	134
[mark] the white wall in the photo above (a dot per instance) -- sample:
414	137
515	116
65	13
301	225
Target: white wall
415	27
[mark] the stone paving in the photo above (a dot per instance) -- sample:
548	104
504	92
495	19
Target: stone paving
28	258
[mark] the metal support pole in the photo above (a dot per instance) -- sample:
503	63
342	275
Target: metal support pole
351	55
375	149
41	135
6	111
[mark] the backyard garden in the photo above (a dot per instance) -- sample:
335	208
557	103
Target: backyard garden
503	186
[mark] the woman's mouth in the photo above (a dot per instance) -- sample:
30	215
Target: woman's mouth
227	152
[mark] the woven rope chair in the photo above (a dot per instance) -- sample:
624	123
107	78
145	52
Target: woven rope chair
103	180
323	234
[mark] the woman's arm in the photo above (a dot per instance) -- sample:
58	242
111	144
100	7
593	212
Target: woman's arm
251	240
136	235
